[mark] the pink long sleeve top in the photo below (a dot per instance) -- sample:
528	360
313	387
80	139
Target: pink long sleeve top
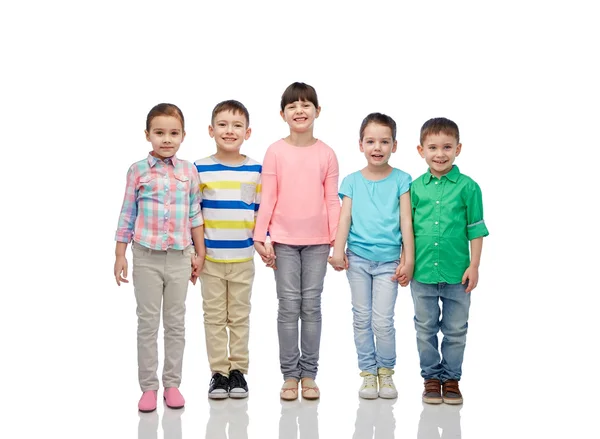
300	203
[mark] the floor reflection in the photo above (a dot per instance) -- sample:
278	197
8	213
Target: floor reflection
375	419
228	419
439	421
171	424
299	416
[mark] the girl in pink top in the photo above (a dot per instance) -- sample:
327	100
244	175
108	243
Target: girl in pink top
300	208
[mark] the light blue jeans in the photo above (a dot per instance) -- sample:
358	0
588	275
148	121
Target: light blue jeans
453	324
373	301
299	279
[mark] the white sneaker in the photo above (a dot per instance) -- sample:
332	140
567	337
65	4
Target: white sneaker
387	389
368	390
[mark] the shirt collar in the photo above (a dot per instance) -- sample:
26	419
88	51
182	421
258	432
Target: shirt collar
153	160
452	175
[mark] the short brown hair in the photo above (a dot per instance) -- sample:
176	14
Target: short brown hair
379	119
234	107
299	91
439	125
165	110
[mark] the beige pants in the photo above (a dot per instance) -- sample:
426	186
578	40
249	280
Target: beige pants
226	291
160	277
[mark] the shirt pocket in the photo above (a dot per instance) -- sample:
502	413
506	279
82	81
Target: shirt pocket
248	192
183	182
148	185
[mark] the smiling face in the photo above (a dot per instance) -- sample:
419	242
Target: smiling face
439	151
165	134
300	115
377	144
229	129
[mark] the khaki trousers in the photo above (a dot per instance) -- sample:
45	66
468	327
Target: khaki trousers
226	291
160	277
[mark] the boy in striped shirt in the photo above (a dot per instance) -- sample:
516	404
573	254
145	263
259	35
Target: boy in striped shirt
230	188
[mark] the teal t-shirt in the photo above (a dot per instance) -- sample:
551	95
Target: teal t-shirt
375	229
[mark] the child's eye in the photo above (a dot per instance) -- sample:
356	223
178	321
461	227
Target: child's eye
385	142
158	133
175	133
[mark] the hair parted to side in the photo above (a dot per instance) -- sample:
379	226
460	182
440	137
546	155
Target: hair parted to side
299	91
379	119
165	110
233	106
439	125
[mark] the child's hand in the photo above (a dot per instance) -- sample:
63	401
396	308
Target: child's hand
266	252
403	274
472	274
121	267
197	266
339	262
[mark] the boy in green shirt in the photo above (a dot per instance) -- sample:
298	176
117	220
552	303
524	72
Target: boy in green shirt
447	214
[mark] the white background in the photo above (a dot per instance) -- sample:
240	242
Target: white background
519	78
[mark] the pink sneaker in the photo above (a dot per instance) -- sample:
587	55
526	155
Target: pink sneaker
173	398
147	402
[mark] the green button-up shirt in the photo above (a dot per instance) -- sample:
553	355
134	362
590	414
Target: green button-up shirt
447	214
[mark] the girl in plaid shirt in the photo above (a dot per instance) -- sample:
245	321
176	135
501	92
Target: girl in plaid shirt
161	215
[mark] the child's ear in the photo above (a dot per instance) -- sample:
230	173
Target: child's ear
211	131
282	114
420	149
317	112
395	146
147	135
183	136
360	146
248	132
458	148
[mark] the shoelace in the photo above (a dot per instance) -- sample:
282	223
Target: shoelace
236	380
386	381
370	381
220	381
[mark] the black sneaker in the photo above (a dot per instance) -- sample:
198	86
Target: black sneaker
238	388
219	387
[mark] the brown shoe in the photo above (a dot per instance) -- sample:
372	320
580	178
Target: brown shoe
433	392
451	392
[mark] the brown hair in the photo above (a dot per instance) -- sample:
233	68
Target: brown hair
379	119
439	125
165	110
234	107
299	91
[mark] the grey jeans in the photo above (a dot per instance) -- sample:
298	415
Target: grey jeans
299	277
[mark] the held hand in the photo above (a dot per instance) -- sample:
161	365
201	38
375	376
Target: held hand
197	265
121	268
472	274
403	274
338	262
270	259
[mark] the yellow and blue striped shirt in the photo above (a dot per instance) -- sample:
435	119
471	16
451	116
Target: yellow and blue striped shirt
230	200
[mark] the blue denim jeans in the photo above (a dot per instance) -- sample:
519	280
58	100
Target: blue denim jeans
299	279
373	301
453	324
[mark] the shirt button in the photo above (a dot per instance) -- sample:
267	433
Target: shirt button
437	202
435	263
436	182
436	222
435	243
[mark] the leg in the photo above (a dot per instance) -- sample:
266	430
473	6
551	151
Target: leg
361	286
148	269
427	323
214	305
314	267
385	291
177	275
287	279
455	313
238	313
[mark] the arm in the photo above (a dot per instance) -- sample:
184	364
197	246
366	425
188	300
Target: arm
125	227
197	226
404	272
331	195
200	253
339	261
472	273
268	197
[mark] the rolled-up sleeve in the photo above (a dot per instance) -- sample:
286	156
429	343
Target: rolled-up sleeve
128	210
476	227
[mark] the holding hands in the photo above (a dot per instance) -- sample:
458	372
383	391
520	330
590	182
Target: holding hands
339	261
404	273
267	253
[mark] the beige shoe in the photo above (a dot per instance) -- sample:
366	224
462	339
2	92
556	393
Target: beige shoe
310	389
289	390
387	389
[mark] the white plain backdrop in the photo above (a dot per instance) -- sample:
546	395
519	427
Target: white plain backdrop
519	77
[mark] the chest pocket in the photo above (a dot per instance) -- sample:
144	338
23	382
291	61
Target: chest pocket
148	185
248	191
183	182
